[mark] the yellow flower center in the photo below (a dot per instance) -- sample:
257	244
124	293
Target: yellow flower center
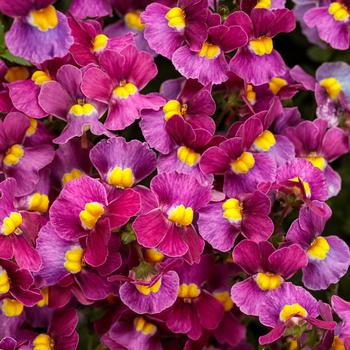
188	291
317	161
268	281
74	259
39	202
293	344
147	290
40	77
243	164
4	282
99	43
91	214
11	224
188	156
318	249
265	141
32	127
124	90
225	299
13	155
16	73
232	210
288	311
181	215
74	174
153	255
44	19
45	298
176	18
11	307
261	46
332	86
305	184
337	344
122	178
263	4
276	84
251	94
339	11
78	110
210	51
43	342
141	325
133	20
174	107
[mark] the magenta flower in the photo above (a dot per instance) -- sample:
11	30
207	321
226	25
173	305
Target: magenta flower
288	307
20	161
167	224
83	210
329	257
220	223
119	84
39	23
268	269
258	62
342	307
64	99
122	164
90	8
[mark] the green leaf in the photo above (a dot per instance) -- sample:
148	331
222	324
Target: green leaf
317	54
2	37
14	59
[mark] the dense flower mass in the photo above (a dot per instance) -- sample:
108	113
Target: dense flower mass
168	175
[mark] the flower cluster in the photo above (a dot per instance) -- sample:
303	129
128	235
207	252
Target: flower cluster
177	215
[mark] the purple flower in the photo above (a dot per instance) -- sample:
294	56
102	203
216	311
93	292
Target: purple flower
18	160
167	224
258	62
290	306
83	210
268	269
342	308
18	230
220	223
40	24
329	257
248	5
208	64
187	98
319	145
64	99
332	23
90	8
124	74
123	164
168	28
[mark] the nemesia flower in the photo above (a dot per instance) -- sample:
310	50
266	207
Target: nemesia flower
83	210
39	24
90	8
167	28
90	41
168	222
290	306
243	168
341	307
64	264
258	62
18	230
221	222
208	64
248	5
19	161
331	20
196	309
118	85
122	164
268	269
64	99
319	145
329	257
136	332
187	98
